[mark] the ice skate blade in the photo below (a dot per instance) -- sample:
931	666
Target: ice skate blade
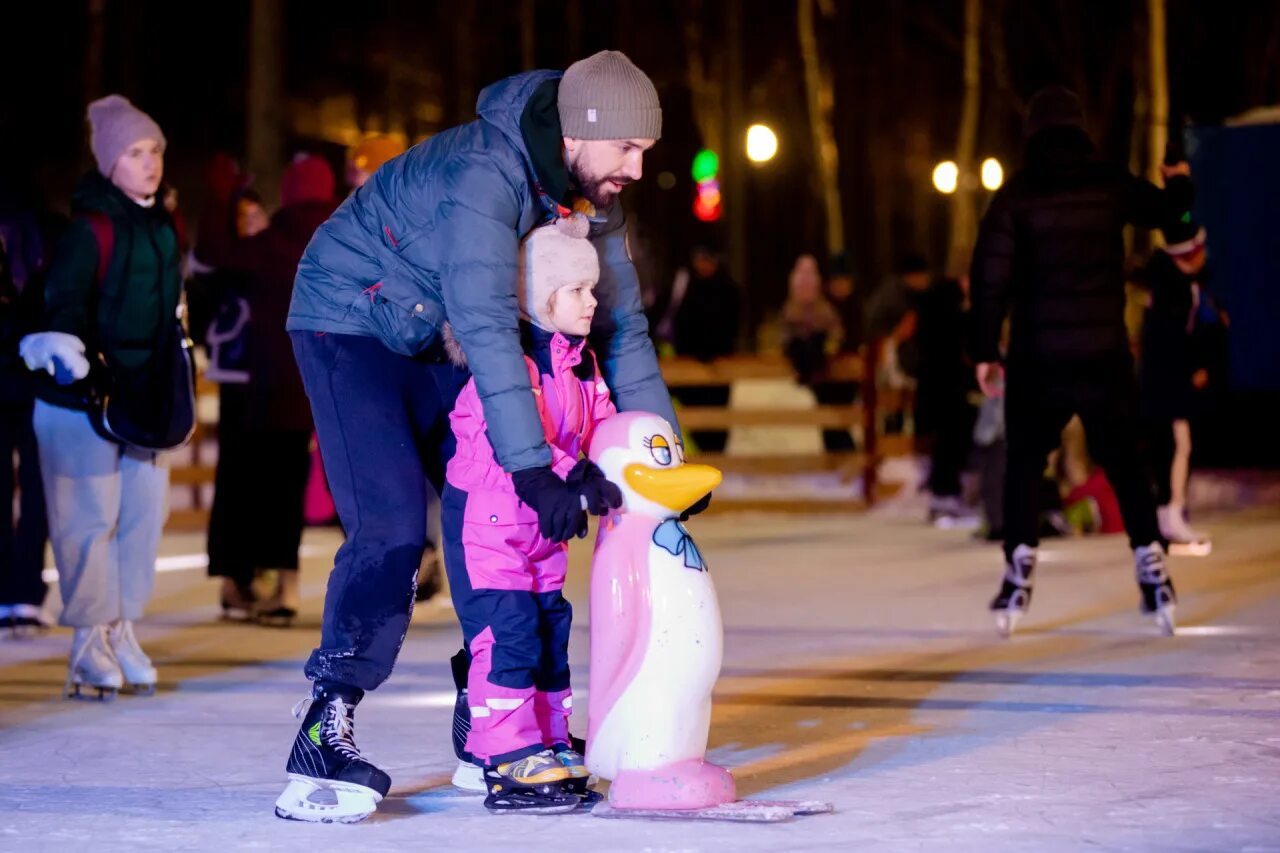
139	689
739	811
1166	620
351	803
104	694
1007	622
470	778
563	808
1191	549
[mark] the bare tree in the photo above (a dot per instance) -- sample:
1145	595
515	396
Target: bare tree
963	215
1157	88
265	128
820	95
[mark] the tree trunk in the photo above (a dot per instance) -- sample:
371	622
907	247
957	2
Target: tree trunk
820	96
963	214
265	130
1158	89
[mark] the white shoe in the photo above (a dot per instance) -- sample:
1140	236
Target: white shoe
1183	539
470	778
135	666
93	664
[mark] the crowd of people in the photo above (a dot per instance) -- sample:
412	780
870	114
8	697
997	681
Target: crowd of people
474	296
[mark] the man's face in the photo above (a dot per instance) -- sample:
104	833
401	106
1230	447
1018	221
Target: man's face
602	167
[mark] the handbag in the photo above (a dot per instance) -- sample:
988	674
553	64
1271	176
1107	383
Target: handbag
151	407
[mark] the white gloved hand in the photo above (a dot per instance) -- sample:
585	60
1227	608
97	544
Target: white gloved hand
45	350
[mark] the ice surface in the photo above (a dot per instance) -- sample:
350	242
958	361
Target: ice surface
861	668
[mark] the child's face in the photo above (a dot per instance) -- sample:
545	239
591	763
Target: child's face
573	307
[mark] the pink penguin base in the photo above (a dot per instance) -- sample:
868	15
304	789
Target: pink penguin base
683	785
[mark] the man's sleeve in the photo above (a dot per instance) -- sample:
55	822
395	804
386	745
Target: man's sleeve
620	333
991	280
475	249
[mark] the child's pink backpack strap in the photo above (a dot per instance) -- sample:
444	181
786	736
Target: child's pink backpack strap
535	382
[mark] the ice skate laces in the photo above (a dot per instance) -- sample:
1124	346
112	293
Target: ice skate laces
340	728
1151	568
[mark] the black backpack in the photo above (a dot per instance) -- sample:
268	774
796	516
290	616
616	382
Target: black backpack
151	407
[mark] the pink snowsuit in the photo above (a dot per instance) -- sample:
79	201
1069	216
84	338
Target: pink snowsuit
506	578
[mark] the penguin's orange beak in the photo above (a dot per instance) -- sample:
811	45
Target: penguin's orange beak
676	488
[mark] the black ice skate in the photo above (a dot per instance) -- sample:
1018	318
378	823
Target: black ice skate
469	775
329	780
534	784
1158	597
1011	603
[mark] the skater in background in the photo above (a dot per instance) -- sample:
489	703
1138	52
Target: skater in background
22	536
701	322
1050	252
264	456
810	327
107	501
506	569
432	237
1173	373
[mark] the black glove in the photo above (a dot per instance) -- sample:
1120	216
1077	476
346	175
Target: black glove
702	503
601	494
559	509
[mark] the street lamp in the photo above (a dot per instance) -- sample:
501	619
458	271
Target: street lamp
762	143
992	174
945	176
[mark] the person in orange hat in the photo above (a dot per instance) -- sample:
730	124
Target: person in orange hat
364	158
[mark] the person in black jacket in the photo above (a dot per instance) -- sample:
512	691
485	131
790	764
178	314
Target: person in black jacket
1174	373
22	538
1050	255
264	453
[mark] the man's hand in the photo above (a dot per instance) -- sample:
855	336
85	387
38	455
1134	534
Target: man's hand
990	378
699	506
599	494
558	505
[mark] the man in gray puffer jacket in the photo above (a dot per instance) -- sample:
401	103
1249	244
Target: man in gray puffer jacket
432	239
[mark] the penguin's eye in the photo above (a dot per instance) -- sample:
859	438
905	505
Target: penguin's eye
659	448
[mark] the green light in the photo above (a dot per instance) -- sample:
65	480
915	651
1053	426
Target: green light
705	165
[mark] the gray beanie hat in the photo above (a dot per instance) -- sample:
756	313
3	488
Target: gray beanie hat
606	96
115	125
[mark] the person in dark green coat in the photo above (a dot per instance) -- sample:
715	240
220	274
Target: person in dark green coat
106	502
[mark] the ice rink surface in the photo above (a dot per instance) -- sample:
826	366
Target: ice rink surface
861	668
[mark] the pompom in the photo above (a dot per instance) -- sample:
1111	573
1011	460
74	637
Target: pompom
575	225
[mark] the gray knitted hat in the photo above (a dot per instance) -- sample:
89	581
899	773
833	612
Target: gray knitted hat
606	96
115	125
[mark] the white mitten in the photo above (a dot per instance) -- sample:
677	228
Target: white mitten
49	350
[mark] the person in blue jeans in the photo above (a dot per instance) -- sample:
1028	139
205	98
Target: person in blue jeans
432	239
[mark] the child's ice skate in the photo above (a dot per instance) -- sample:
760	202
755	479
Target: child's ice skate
329	780
1158	597
93	664
532	785
1011	603
579	776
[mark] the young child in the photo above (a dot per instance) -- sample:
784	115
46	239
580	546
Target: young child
506	574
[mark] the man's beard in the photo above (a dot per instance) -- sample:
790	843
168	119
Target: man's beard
593	190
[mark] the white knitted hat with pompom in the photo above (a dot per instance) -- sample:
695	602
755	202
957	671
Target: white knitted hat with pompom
552	256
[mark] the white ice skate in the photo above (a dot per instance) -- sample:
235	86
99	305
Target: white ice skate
1014	597
1184	540
326	801
470	778
139	675
92	665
